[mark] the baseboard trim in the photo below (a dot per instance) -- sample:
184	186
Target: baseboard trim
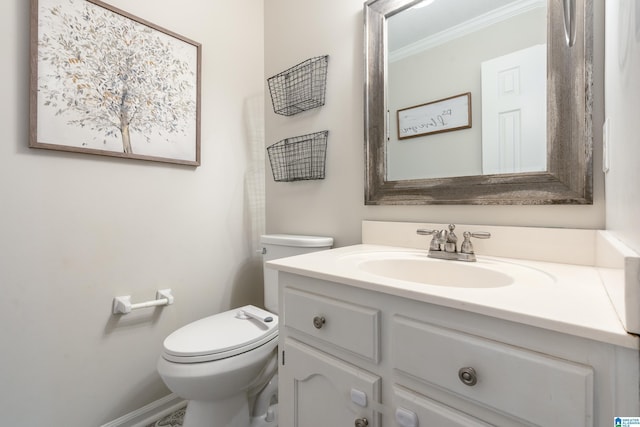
149	413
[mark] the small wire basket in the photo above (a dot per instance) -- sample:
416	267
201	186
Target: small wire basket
299	158
299	88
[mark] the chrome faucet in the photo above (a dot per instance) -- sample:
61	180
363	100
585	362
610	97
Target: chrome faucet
444	244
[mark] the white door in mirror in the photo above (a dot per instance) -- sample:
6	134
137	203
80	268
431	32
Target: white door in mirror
514	112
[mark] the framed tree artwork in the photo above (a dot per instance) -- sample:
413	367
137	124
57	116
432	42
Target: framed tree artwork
106	82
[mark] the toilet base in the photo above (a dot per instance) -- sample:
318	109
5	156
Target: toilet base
230	412
270	419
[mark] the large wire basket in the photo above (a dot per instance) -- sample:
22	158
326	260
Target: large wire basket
299	158
299	88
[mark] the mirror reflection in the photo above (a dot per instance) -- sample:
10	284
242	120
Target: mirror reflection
466	89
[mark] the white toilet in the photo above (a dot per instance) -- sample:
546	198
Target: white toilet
225	363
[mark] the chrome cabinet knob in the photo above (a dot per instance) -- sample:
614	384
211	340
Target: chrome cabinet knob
319	321
362	422
468	376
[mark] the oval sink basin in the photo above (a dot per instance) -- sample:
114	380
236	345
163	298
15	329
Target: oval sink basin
416	267
437	272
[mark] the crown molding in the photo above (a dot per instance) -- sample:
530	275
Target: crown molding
465	28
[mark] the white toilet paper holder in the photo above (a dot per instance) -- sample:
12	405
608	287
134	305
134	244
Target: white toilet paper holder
122	304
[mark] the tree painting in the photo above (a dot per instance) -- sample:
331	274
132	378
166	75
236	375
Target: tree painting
113	75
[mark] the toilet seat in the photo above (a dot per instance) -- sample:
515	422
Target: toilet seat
219	336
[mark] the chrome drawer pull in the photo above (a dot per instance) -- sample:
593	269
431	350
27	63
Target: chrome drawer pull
319	321
362	422
468	376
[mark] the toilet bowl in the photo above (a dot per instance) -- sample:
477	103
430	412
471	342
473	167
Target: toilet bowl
217	372
225	363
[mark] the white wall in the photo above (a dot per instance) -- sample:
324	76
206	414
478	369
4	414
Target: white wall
77	230
299	29
622	108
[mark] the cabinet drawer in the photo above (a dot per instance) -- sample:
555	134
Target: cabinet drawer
536	388
351	327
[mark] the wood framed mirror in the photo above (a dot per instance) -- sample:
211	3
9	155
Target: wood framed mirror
566	178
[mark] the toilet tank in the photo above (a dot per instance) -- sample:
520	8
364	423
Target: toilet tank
276	246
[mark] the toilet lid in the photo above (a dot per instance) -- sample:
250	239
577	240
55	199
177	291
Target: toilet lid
219	336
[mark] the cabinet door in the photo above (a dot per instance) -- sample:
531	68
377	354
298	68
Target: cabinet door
316	389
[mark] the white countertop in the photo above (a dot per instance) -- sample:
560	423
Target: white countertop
565	298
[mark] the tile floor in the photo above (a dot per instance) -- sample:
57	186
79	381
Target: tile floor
174	419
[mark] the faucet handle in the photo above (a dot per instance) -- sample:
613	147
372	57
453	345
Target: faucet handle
467	247
426	232
480	234
434	245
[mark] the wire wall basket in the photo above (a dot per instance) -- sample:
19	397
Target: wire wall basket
299	158
299	88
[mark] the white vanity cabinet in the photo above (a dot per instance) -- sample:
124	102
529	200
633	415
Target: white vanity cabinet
317	387
350	356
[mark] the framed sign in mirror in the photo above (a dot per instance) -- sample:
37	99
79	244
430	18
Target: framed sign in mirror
443	115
